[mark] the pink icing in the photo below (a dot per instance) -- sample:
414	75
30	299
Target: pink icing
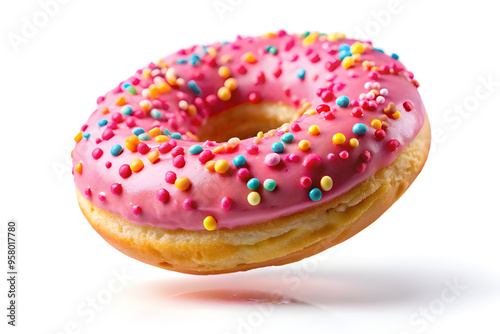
298	72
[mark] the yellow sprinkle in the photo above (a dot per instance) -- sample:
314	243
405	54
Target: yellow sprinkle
210	165
253	198
162	64
161	139
326	183
190	134
121	101
78	168
347	62
224	72
153	156
311	38
131	143
182	183
224	93
249	58
226	59
260	134
136	165
221	166
146	105
79	137
338	138
337	36
377	124
314	130
231	84
154	132
210	223
105	111
353	142
311	112
357	47
146	73
396	114
304	145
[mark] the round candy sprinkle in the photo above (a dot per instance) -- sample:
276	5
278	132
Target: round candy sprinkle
393	145
97	153
253	198
315	194
210	223
131	143
353	142
338	139
224	94
116	150
301	73
116	188
101	196
278	147
136	210
314	130
305	181
326	183
79	167
342	101
125	171
195	149
269	184
126	110
179	161
170	177
239	161
162	195
359	129
287	138
272	159
253	184
226	203
136	165
221	166
182	183
144	136
304	145
138	131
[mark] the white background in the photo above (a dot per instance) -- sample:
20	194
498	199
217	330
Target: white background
394	277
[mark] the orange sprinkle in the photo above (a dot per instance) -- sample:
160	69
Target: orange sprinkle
153	156
78	137
121	101
78	168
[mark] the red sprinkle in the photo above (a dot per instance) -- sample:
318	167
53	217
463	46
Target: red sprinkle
162	195
254	97
305	181
344	155
226	203
408	106
125	171
170	177
366	156
143	148
108	164
361	167
164	147
97	153
116	188
136	210
323	107
380	134
393	145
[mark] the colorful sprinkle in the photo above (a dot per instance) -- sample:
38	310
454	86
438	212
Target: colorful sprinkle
125	171
304	145
136	210
194	87
253	184
338	139
342	101
136	165
253	198
326	183
221	166
239	161
269	184
314	130
272	159
97	153
102	122
359	129
315	194
116	150
116	188
226	203
278	147
156	114
287	138
182	183
162	195
301	73
210	223
176	135
195	149
79	167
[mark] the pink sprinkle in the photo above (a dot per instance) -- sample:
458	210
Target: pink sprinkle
139	114
305	181
330	66
108	164
125	171
179	161
315	58
162	195
98	140
329	115
173	143
252	149
254	97
277	73
170	177
344	155
177	151
374	75
272	159
323	107
226	203
312	161
136	210
292	157
88	191
117	117
243	174
393	145
116	188
366	156
211	99
97	153
101	197
99	100
206	156
242	70
107	134
84	127
357	112
143	148
361	167
164	147
380	134
189	204
261	78
295	127
130	121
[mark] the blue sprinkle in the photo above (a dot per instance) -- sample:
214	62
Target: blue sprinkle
144	136
342	101
176	135
239	161
287	138
395	56
138	131
116	150
359	129
126	85
253	184
344	53
86	135
155	113
127	110
194	59
181	61
195	149
301	73
166	132
204	49
224	43
379	50
102	122
194	87
278	147
344	47
315	194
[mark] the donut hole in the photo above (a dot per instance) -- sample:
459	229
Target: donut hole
245	121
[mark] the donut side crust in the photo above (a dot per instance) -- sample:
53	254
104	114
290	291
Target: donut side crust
275	242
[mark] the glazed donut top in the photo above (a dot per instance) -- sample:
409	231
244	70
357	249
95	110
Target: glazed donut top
138	155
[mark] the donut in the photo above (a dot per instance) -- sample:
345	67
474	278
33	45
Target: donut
257	152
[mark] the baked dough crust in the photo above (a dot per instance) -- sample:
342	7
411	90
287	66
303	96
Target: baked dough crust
275	242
